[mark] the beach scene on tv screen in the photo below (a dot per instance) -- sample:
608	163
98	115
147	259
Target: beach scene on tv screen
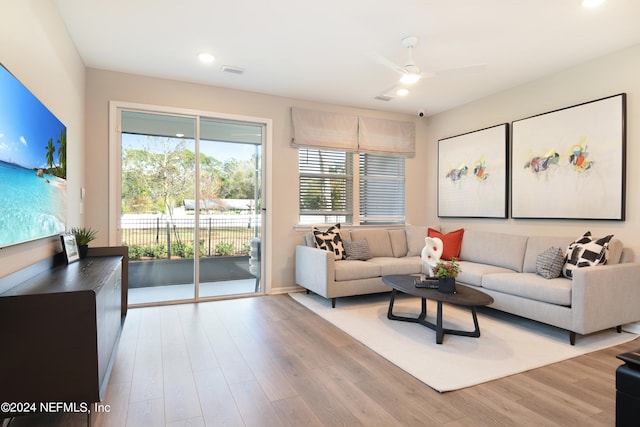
33	166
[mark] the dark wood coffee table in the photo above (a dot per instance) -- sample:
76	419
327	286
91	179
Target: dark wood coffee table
465	296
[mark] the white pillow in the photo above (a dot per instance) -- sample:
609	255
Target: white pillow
587	251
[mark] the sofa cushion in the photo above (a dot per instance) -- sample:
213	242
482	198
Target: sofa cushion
538	244
308	240
356	249
405	265
398	242
531	286
354	270
415	239
471	272
378	239
586	251
329	240
501	250
615	251
549	263
452	242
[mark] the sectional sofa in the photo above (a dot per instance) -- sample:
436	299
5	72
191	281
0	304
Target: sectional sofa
501	265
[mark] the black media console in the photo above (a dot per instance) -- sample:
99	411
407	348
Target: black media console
59	328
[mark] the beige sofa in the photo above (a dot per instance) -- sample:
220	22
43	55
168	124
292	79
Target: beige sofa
502	265
394	251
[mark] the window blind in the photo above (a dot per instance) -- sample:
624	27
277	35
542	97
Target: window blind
382	189
325	186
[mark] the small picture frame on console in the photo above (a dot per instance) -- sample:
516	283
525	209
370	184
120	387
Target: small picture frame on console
70	247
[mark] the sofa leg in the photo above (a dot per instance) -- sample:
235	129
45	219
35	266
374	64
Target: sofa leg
572	337
333	302
619	329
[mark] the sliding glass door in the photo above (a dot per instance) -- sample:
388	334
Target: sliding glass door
190	206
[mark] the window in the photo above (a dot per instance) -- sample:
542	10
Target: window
326	186
333	184
381	189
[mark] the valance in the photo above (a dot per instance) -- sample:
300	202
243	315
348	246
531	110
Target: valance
319	129
345	132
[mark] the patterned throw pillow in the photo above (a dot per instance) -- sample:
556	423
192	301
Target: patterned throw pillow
329	240
585	252
357	250
549	263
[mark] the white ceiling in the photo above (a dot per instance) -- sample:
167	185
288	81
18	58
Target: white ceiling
329	50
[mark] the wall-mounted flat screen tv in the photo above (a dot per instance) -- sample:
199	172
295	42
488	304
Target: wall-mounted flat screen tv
33	166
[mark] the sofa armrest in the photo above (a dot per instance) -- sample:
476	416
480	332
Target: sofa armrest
605	296
315	268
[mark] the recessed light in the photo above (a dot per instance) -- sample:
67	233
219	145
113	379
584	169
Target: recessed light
591	3
207	58
402	92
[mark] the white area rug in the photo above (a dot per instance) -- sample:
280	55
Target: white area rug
507	345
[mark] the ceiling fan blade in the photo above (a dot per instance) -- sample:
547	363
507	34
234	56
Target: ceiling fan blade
392	92
389	64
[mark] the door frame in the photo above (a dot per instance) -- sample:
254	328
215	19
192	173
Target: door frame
115	173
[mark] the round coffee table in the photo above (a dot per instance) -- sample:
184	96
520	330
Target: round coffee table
464	296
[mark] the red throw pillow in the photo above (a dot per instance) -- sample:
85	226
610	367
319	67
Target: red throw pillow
451	242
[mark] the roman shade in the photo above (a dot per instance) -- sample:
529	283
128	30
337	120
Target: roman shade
383	136
323	130
345	132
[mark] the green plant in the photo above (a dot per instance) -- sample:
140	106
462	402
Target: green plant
447	268
246	248
223	248
84	235
184	250
135	251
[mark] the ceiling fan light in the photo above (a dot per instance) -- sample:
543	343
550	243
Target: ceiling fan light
410	78
402	91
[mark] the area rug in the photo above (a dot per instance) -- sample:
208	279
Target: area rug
508	344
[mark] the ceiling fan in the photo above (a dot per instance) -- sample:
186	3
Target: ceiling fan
410	73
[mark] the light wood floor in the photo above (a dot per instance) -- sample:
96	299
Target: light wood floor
268	361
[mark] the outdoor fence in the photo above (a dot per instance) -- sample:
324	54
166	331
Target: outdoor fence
219	235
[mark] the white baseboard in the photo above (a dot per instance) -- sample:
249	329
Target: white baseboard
287	290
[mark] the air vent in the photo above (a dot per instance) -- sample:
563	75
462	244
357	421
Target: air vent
231	69
383	98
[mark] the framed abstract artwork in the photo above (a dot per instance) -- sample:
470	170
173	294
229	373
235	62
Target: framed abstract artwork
571	163
472	174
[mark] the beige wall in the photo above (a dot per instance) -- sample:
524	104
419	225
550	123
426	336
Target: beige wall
35	47
609	75
104	86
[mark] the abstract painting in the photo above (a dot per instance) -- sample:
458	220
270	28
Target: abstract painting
472	174
570	163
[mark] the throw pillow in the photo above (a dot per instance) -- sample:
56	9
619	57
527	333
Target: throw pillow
357	250
329	240
585	252
452	242
550	262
